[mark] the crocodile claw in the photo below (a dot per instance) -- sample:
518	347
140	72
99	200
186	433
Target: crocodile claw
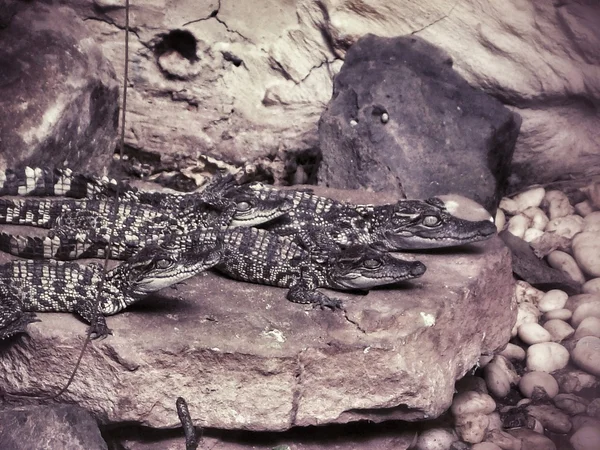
331	303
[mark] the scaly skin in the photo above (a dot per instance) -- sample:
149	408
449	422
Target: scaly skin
259	256
28	286
407	224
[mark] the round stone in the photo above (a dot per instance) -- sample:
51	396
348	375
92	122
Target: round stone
526	313
543	380
518	224
551	418
558	204
586	438
471	402
531	234
586	354
539	220
558	314
591	286
553	299
529	198
566	264
547	357
533	333
592	222
586	251
436	439
559	330
471	427
500	220
513	352
591	309
584	208
590	326
499	375
567	226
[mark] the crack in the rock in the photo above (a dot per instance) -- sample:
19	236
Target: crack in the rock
115	24
318	66
298	389
445	16
353	322
215	15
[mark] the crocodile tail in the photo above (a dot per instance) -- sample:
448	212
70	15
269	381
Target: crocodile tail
35	247
54	182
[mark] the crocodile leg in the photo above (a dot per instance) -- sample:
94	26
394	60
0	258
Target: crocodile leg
13	319
85	309
304	291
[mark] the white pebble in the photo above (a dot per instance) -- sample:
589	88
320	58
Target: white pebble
551	417
471	402
533	333
570	403
558	204
567	226
559	314
539	220
513	352
499	375
584	208
436	439
526	293
566	264
547	357
553	299
541	380
509	206
591	286
586	250
559	330
517	225
586	438
526	313
527	199
471	427
586	354
531	234
590	326
591	222
590	309
500	220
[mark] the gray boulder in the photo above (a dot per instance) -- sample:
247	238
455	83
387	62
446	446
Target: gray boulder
401	119
58	94
49	427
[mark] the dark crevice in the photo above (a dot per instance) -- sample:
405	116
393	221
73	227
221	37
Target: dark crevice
110	21
180	41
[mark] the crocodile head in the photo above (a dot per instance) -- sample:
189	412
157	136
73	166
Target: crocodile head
417	224
154	268
250	210
363	267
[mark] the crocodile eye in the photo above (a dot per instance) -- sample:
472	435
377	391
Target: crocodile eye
372	263
163	263
243	206
431	221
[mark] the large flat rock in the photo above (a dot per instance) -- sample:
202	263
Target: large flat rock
246	358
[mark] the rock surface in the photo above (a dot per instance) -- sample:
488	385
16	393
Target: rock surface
49	427
245	358
246	84
399	113
58	93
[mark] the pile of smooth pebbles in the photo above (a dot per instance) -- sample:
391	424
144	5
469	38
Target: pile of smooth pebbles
543	390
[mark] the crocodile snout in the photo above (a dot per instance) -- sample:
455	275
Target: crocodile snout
418	269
